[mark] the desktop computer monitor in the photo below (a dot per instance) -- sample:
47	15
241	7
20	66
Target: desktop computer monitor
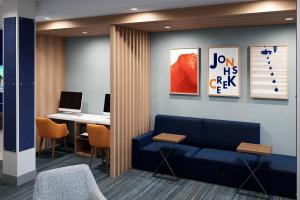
106	109
70	102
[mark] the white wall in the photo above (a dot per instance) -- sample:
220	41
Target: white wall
277	117
88	70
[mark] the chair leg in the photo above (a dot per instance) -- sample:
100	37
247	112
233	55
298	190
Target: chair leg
53	147
65	142
92	155
107	159
102	156
40	147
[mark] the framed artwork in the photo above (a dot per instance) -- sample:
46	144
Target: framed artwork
224	71
184	71
269	72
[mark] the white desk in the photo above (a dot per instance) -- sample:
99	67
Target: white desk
82	118
81	143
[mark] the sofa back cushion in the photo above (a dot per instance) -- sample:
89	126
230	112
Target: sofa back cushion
191	127
227	135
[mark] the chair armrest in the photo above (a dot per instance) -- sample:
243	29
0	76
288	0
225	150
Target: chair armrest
142	140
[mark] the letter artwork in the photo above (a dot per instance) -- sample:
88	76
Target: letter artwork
223	71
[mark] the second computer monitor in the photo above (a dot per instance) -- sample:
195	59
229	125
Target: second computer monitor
106	109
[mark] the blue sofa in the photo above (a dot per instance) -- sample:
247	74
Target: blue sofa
209	154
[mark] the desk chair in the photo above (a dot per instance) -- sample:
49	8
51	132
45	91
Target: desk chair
46	128
99	139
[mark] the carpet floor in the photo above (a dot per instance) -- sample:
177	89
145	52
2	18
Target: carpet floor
132	185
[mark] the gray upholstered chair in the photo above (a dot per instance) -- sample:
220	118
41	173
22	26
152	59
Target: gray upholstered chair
67	183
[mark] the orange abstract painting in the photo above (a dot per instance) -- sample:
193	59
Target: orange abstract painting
184	72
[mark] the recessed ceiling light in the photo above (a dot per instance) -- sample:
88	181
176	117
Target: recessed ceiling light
133	9
84	32
167	27
289	19
47	18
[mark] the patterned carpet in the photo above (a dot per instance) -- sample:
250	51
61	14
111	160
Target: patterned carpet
132	185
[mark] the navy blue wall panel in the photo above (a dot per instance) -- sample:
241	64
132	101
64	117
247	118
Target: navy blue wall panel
1	103
1	63
26	70
1	43
10	84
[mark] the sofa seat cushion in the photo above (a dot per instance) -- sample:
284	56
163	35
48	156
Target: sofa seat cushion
278	175
179	149
221	166
281	163
178	159
224	156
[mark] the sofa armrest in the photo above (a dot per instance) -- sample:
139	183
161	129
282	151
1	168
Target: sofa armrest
142	140
138	143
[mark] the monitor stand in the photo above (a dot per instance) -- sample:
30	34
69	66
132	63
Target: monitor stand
66	112
70	113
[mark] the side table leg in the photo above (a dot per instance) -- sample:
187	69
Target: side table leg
164	160
252	173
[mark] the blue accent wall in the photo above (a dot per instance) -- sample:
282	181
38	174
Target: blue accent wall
26	74
10	84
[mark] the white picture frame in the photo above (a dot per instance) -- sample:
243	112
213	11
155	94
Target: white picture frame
269	72
224	71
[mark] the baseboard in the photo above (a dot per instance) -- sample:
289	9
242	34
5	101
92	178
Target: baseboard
20	180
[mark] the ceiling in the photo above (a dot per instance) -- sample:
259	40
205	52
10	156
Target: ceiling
239	14
68	9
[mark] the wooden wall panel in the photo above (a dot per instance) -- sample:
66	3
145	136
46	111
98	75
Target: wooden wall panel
50	74
130	92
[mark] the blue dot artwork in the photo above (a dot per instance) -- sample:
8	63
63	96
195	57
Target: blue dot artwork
269	71
266	52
